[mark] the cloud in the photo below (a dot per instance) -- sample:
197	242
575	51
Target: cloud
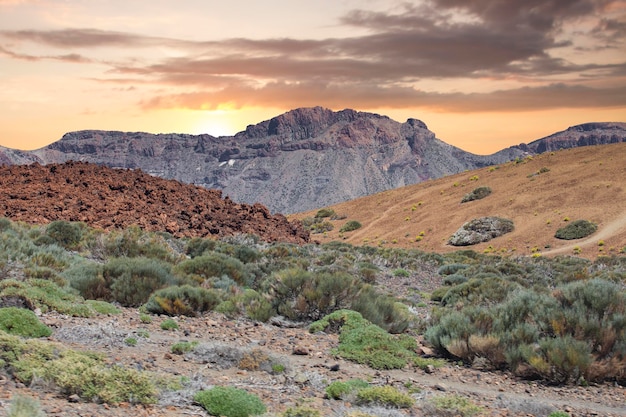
486	40
286	95
72	58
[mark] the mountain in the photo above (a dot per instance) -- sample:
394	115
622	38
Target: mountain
109	199
580	135
301	160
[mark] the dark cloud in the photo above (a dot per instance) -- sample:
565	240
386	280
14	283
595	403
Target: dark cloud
436	39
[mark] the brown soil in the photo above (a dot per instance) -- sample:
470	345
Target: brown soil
117	198
582	183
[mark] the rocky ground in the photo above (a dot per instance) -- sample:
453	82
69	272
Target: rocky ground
309	368
109	199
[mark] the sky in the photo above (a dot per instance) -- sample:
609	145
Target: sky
482	74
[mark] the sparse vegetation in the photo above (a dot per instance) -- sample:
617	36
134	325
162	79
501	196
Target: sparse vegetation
350	226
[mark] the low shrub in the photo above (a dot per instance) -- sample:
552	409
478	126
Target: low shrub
340	390
180	348
64	233
386	396
456	405
169	324
102	307
229	402
182	301
301	411
44	295
213	265
362	342
23	406
476	194
132	280
576	230
22	322
322	213
350	226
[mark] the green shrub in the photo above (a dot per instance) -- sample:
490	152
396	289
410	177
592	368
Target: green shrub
131	341
180	348
559	414
456	405
45	295
88	279
476	194
301	411
229	402
198	246
350	226
182	301
169	324
302	295
64	233
23	406
321	227
576	230
381	309
132	280
386	396
339	390
326	212
22	322
213	265
102	307
363	342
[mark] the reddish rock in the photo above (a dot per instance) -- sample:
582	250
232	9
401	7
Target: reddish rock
109	198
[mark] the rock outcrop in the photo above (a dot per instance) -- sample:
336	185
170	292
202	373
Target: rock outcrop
109	198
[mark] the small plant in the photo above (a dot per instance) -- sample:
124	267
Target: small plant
229	402
473	178
558	414
180	348
350	226
401	273
143	333
340	390
326	212
131	341
457	405
23	406
576	230
22	322
145	318
386	396
301	411
169	324
278	368
103	307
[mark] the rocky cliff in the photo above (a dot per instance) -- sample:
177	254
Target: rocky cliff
580	135
301	160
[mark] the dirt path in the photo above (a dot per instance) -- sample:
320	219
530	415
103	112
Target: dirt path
605	232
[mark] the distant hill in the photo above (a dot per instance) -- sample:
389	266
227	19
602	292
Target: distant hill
109	199
539	193
300	160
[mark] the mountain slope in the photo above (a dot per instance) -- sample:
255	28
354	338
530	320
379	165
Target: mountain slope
540	194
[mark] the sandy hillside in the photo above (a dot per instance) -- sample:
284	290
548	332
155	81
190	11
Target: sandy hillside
540	194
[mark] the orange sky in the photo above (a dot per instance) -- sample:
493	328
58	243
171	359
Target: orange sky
482	74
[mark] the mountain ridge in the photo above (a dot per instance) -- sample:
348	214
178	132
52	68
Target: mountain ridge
300	160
